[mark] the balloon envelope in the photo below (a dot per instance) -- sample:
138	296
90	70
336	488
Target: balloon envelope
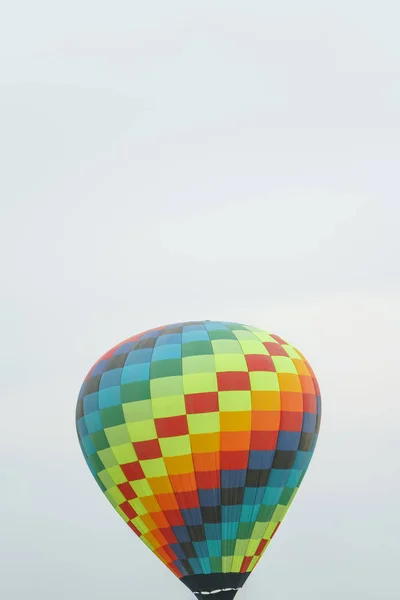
199	434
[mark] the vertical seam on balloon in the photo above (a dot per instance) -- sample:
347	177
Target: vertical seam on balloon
233	504
115	348
304	470
191	451
295	492
218	524
152	416
318	412
252	522
136	342
151	406
272	465
120	378
249	448
162	456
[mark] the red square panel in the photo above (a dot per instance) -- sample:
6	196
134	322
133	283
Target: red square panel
259	362
201	403
207	481
174	569
167	502
170	553
160	552
234	460
134	529
147	450
275	349
307	384
127	490
187	499
245	564
278	339
316	387
291	421
309	403
159	520
233	381
171	426
275	530
261	547
169	535
133	471
174	517
128	510
264	440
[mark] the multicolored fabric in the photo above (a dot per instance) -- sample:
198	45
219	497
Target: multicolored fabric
199	434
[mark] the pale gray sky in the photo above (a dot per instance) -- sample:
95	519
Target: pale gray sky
164	161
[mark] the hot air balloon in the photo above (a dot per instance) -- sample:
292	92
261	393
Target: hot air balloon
199	434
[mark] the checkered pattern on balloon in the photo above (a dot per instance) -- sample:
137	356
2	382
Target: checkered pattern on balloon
199	434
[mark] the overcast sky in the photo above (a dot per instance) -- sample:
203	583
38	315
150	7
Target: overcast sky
166	161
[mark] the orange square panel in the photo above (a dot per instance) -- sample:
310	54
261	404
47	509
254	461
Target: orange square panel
263	400
184	483
160	485
235	440
235	421
178	465
204	442
208	461
150	503
167	501
289	382
160	520
266	420
307	384
292	401
148	521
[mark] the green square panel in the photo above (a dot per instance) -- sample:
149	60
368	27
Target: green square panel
166	386
99	440
106	479
226	346
279	513
221	334
228	547
198	364
196	348
241	548
243	531
265	513
245	335
236	327
166	368
133	392
125	453
96	463
225	363
118	435
112	416
107	457
258	531
290	351
286	496
216	564
284	364
227	563
138	411
142	431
